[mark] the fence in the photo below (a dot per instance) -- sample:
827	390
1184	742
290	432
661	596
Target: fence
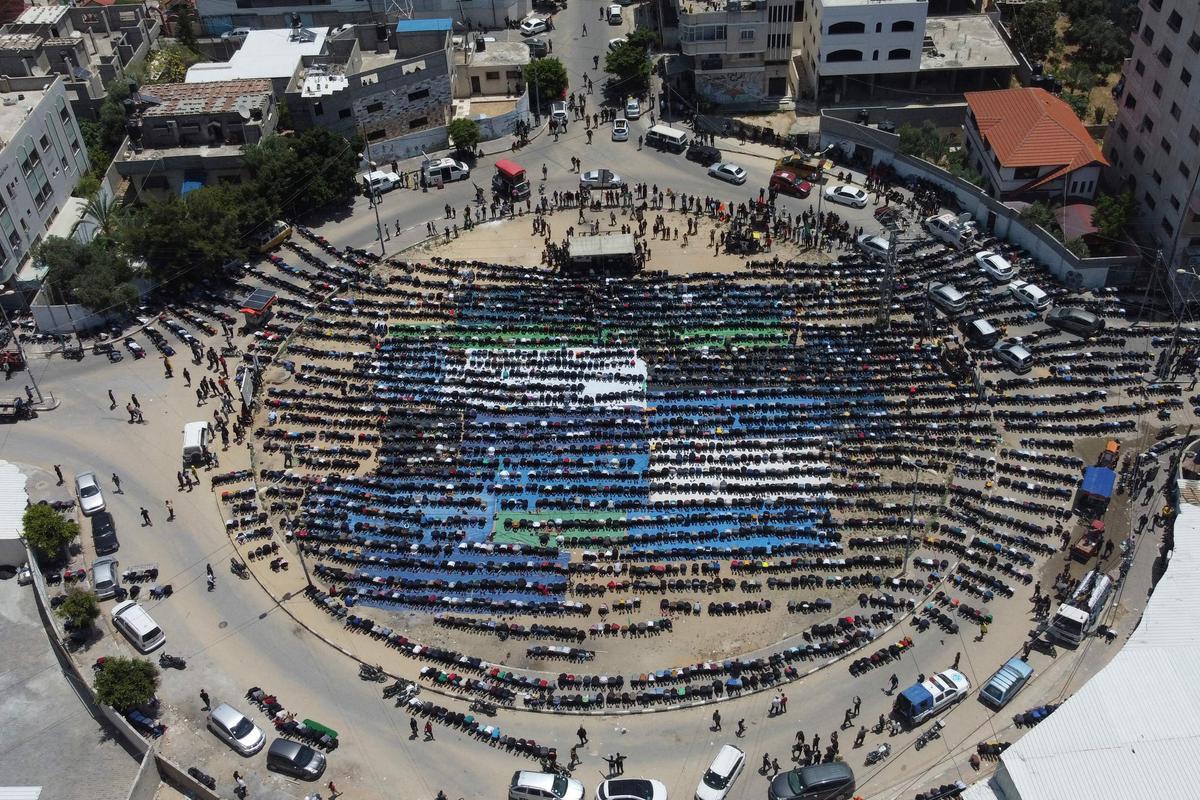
427	141
875	147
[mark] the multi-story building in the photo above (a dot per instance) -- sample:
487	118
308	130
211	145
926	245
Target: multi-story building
1153	142
42	157
740	50
218	16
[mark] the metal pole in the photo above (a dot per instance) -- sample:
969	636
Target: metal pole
20	350
375	196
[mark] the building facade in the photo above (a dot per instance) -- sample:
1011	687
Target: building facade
1153	143
218	16
740	49
855	41
41	160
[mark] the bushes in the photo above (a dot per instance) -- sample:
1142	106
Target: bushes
47	531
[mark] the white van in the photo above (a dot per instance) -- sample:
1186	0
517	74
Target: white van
142	631
663	137
614	15
379	182
195	442
443	170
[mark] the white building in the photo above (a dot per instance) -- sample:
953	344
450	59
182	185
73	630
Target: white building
1154	141
218	16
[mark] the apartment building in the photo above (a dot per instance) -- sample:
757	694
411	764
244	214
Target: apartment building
740	49
218	16
1153	143
42	157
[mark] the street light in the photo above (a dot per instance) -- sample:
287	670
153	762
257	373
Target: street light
20	350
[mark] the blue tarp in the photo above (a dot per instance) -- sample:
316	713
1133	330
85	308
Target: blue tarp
424	25
1098	482
917	698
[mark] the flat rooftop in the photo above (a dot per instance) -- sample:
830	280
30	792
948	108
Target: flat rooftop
42	15
16	42
966	42
829	3
497	54
264	54
12	117
183	99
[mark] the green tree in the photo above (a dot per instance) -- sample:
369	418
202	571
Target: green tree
105	212
79	607
1034	28
923	142
47	531
1112	214
126	683
302	173
464	133
1078	247
112	116
1079	77
87	187
91	273
548	77
1077	102
1102	46
630	63
1042	215
185	27
188	238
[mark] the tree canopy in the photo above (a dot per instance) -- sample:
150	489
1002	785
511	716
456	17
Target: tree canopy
1112	215
46	530
302	173
629	62
126	683
79	607
548	77
464	133
1034	28
91	274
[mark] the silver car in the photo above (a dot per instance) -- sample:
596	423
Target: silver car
726	171
91	499
1014	354
847	195
232	727
600	179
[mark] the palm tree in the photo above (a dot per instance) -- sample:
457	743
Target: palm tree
106	212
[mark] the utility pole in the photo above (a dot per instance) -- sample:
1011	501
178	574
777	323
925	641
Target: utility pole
375	196
884	318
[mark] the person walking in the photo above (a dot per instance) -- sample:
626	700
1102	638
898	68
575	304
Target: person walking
774	767
204	699
133	399
893	682
58	472
187	377
858	700
741	728
846	720
333	792
982	630
116	479
585	29
766	764
716	718
170	511
582	734
240	789
783	702
574	757
412	724
145	517
861	737
112	400
956	657
428	731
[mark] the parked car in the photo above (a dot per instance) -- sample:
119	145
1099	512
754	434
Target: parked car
703	153
600	179
847	195
235	35
1029	294
295	759
233	728
979	331
633	108
1076	321
620	129
104	534
614	14
786	181
931	696
728	172
947	297
874	246
527	785
537	48
721	773
1014	354
534	25
631	789
106	581
997	267
832	781
1004	685
91	499
613	44
559	112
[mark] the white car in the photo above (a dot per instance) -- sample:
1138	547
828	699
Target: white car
558	112
534	25
235	35
1014	354
232	727
633	109
543	786
721	774
613	44
620	130
874	246
847	195
1030	295
631	789
91	499
600	179
948	297
728	172
996	266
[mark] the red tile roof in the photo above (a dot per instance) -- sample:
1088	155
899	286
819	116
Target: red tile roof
1033	128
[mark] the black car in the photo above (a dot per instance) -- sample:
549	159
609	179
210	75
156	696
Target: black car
537	48
104	534
1076	321
295	759
979	331
832	781
703	154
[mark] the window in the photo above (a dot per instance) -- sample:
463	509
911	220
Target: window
1157	178
1150	201
1194	135
1138	155
64	115
1165	55
1184	169
899	54
1148	35
838	56
747	35
1157	89
1174	202
513	74
318	109
1168	227
343	113
847	26
1175	111
1123	132
903	26
420	94
1139	67
1194	42
492	76
1147	124
1025	173
1175	22
378	133
1185	77
1130	101
419	122
44	142
1165	145
375	108
1156	5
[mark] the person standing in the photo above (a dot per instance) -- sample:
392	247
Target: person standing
412	724
170	511
956	657
133	399
574	757
240	788
116	479
112	400
620	759
428	731
582	734
145	517
58	472
716	718
858	700
741	728
204	699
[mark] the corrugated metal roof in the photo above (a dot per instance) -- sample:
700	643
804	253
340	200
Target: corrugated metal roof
1032	128
13	500
1133	731
20	792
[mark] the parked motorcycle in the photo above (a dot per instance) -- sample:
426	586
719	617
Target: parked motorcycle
168	661
880	753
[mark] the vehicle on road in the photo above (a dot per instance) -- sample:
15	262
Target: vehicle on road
614	15
721	773
1078	617
1016	355
534	25
631	789
959	231
832	781
997	267
728	172
620	129
633	108
937	692
810	168
104	534
87	489
613	44
875	246
526	785
1075	320
510	181
663	137
1004	685
537	48
703	154
559	113
444	170
1029	294
295	759
379	182
847	195
947	297
785	181
139	628
232	727
600	179
105	578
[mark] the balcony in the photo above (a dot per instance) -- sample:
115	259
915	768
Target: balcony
718	13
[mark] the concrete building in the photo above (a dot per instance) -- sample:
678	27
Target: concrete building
740	50
382	82
218	16
89	46
271	54
490	68
42	157
1153	143
1029	145
188	135
859	49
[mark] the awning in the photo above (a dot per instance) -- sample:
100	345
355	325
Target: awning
258	302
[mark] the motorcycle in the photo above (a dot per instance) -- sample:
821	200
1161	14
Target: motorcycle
933	732
369	672
880	753
168	661
239	569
